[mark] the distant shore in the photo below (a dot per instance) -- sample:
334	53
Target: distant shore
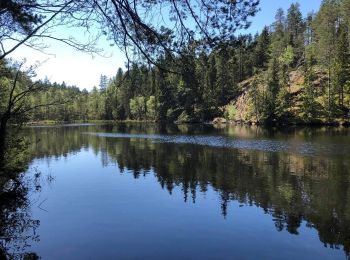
216	121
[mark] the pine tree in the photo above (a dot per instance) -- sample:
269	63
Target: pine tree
222	77
261	54
212	78
272	91
201	70
342	63
256	97
309	104
103	82
187	86
295	29
326	24
345	9
278	37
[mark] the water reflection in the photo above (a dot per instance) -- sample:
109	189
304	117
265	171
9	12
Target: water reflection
289	184
304	148
17	227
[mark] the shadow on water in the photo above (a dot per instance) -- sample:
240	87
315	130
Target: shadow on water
294	176
17	227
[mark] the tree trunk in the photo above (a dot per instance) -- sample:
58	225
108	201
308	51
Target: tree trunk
3	132
329	94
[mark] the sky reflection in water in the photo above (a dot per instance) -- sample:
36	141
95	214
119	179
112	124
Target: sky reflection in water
139	191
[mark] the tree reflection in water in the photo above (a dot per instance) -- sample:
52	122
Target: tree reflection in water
17	228
291	187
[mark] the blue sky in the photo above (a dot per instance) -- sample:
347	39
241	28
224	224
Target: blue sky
82	70
269	7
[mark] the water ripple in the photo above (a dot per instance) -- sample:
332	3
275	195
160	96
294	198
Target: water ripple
267	145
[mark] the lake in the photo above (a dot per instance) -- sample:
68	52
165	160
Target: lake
145	191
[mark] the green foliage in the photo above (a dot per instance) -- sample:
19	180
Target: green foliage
230	112
295	32
282	104
287	56
257	101
151	106
17	156
261	55
272	90
309	105
138	107
184	118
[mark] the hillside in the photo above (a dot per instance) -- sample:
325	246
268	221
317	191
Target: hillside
295	108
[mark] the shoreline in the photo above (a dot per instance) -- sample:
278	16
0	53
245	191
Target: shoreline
216	122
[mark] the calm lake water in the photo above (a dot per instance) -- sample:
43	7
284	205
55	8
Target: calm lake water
141	191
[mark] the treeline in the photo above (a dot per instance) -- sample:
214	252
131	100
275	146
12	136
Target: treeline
205	81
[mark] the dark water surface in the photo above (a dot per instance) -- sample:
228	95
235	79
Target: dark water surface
189	192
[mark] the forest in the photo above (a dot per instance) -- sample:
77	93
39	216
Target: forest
295	71
203	84
179	87
31	23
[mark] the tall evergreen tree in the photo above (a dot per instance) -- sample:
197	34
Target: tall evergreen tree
295	29
326	25
222	76
273	88
342	63
261	54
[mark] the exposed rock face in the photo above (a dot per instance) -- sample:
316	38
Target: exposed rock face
247	109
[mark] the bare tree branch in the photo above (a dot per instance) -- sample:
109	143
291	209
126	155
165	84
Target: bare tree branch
3	55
